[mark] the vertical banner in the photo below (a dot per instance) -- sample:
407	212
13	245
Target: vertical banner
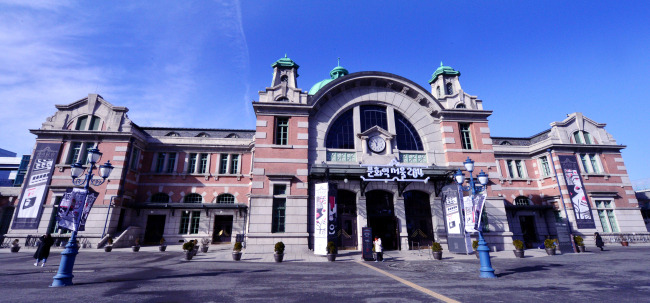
577	192
75	206
30	207
457	240
332	220
321	218
366	247
473	209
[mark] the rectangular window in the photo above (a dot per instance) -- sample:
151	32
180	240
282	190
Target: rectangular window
606	216
135	158
594	163
160	162
223	164
94	123
282	131
279	208
234	164
465	135
520	170
185	222
190	222
75	152
516	168
590	163
203	164
191	168
194	224
171	163
544	167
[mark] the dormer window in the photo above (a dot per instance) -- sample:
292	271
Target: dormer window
283	99
461	105
83	123
505	143
203	135
172	134
232	135
449	89
582	137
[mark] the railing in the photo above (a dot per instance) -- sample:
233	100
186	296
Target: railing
631	238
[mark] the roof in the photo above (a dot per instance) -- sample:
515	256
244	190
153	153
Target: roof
522	141
444	70
195	132
285	62
337	72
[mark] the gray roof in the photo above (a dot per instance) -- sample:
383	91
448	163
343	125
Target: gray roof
195	132
520	141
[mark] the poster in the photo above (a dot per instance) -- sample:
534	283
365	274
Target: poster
332	220
30	207
577	192
321	218
458	240
473	209
75	206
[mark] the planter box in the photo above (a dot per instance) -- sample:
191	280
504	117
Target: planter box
189	255
162	247
331	257
519	253
15	249
236	255
278	257
437	255
108	248
135	248
204	248
550	251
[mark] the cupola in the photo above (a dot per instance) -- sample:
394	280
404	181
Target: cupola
337	72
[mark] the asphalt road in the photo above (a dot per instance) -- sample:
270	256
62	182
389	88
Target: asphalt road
619	274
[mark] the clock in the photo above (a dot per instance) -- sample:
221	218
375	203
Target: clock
376	144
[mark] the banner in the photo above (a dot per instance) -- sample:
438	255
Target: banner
473	209
395	171
332	220
30	207
76	202
577	192
321	218
458	240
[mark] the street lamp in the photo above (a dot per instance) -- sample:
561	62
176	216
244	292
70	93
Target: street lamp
484	252
64	276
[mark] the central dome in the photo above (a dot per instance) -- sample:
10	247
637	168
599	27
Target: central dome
337	72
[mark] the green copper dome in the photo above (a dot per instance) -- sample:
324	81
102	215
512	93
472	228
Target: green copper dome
337	72
284	62
444	70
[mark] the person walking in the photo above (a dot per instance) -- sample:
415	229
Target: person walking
43	249
379	249
599	241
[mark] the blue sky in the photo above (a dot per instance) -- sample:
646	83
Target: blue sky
200	63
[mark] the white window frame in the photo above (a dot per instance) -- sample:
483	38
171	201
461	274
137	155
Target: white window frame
469	144
165	167
229	163
511	166
591	158
607	207
83	152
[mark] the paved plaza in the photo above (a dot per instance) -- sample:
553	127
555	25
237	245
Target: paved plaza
618	274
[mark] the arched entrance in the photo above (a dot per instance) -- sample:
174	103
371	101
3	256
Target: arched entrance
347	212
418	218
381	218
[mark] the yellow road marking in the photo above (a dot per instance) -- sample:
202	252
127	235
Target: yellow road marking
411	284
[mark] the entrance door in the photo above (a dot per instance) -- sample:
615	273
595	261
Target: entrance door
346	205
155	229
528	230
418	219
381	218
348	231
222	229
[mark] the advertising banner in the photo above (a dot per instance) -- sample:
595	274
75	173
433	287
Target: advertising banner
457	239
332	213
473	209
366	238
577	192
76	202
30	208
321	218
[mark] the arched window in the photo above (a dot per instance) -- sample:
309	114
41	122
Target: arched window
579	135
160	198
83	123
226	199
521	201
449	89
461	105
505	143
341	134
173	134
283	99
193	198
372	115
232	135
407	137
203	135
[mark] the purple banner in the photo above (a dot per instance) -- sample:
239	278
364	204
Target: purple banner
577	192
30	208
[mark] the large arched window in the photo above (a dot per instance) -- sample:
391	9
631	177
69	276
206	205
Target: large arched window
160	198
193	198
341	134
407	137
226	199
372	115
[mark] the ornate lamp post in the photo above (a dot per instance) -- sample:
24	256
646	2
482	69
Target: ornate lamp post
484	252
64	276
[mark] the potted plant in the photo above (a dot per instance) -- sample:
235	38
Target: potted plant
188	247
162	246
580	244
331	251
109	244
15	246
436	249
279	251
205	243
475	247
195	247
519	248
236	251
136	247
549	245
624	241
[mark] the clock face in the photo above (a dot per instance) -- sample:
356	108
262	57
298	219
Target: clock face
377	144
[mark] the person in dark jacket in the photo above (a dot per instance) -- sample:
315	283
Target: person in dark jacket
599	241
43	249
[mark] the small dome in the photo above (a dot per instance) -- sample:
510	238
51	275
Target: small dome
444	70
337	72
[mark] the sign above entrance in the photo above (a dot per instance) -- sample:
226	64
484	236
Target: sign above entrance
395	171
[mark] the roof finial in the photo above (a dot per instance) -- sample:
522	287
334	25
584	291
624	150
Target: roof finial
440	63
339	61
285	55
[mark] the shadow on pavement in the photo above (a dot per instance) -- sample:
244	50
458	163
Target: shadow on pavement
528	269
